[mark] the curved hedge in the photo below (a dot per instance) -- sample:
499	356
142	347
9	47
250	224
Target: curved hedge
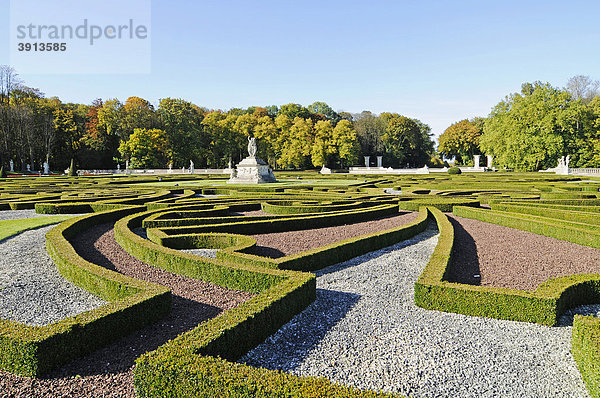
33	350
445	204
544	305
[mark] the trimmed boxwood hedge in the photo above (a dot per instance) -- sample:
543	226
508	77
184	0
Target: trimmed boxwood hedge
584	217
585	347
292	223
133	304
333	253
581	234
445	204
544	305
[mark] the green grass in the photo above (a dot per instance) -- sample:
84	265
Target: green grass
12	227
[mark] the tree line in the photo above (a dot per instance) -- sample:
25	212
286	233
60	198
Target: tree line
34	129
530	130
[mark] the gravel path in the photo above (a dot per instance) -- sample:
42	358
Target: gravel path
508	257
31	289
20	214
210	253
286	243
108	372
365	330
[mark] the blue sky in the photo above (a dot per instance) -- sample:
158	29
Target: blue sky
438	61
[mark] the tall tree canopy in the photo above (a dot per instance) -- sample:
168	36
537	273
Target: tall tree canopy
461	141
532	129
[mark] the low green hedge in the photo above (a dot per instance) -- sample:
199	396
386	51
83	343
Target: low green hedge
232	276
543	306
175	368
204	376
333	253
585	347
583	217
279	224
445	204
582	234
290	207
132	304
197	363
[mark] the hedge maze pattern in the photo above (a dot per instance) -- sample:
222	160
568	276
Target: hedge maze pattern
181	212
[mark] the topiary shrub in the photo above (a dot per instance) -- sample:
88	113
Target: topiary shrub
454	170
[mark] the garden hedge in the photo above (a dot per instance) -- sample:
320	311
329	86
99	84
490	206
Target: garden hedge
585	347
543	306
579	233
132	304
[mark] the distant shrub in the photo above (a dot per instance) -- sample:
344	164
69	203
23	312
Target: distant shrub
454	170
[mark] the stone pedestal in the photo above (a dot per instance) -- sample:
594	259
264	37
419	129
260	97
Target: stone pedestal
252	170
380	161
367	161
490	161
476	161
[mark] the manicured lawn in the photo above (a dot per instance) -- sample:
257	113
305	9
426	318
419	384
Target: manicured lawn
13	227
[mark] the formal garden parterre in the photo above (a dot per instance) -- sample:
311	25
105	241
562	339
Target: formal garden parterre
152	222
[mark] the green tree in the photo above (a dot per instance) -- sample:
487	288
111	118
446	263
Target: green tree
325	110
401	139
532	129
187	140
136	113
67	137
324	145
293	111
346	140
460	140
298	140
146	148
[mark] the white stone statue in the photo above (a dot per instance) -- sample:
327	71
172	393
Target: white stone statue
118	168
12	166
191	167
567	159
252	146
28	167
171	166
127	165
46	168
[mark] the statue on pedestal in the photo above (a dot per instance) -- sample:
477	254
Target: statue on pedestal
252	146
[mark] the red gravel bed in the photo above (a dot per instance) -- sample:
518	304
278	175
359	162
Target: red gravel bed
282	244
108	372
514	259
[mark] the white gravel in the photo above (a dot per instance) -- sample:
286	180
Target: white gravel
31	289
210	253
364	330
20	214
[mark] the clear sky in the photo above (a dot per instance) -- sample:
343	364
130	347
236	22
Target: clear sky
438	61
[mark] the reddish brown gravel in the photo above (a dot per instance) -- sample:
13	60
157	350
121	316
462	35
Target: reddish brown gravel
108	372
510	258
285	243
